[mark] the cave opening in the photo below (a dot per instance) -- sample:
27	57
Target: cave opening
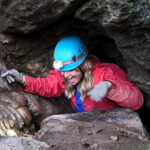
106	50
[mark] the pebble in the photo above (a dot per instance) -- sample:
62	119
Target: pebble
114	138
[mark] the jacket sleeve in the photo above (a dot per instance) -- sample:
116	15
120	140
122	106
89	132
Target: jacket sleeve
123	92
52	86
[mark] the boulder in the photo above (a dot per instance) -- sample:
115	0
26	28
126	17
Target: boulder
22	143
120	129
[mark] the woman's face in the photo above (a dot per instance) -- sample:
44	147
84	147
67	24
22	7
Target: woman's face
72	76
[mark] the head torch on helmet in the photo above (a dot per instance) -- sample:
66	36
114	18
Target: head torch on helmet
58	64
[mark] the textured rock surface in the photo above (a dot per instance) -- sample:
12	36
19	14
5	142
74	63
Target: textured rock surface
22	143
28	16
100	130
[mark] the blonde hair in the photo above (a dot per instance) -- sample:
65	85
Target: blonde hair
85	83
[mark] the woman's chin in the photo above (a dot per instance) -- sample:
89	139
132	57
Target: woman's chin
72	83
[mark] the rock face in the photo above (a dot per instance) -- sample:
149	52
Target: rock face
15	143
28	16
98	130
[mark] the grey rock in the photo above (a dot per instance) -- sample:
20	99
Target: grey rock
21	143
27	16
92	130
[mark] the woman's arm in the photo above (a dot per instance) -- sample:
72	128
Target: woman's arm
126	95
52	86
123	92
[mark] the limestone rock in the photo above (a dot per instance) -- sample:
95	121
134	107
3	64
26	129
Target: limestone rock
21	143
27	16
92	130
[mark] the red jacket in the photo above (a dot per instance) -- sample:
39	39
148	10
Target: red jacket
123	92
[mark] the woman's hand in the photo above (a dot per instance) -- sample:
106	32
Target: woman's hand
14	76
100	91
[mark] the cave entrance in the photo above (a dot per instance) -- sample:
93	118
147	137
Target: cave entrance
106	50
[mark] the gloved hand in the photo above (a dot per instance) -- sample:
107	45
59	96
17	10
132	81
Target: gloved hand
99	91
13	75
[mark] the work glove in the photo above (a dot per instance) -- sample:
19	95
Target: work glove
14	76
100	91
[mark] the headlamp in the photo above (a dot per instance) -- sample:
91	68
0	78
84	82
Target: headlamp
58	64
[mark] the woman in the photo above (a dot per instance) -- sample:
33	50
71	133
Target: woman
88	83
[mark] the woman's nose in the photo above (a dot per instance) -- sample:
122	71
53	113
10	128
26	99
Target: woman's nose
66	74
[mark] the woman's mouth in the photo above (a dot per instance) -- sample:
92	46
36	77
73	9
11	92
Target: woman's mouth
71	80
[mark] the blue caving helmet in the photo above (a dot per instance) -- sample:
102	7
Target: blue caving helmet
69	53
